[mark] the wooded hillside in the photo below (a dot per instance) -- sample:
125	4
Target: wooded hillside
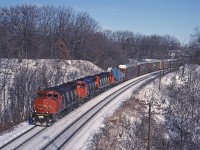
31	31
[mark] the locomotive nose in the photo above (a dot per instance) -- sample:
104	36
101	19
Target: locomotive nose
44	106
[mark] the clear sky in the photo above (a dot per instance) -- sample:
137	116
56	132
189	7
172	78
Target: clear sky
173	17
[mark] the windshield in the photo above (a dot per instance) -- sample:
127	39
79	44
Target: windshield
52	96
41	95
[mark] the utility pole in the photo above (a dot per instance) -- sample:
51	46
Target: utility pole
149	126
160	80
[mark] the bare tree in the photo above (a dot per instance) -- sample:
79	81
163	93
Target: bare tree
194	46
185	109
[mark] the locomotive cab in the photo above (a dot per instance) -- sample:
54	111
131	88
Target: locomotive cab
47	102
82	89
111	78
97	81
46	105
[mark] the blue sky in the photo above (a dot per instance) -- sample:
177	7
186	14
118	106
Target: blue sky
173	17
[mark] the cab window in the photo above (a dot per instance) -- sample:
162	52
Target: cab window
81	85
41	95
49	95
55	96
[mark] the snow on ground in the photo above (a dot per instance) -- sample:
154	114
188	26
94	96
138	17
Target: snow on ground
159	99
151	94
78	68
10	68
85	135
80	140
22	127
56	72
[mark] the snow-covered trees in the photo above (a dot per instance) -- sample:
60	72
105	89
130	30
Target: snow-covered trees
194	46
185	107
19	83
128	129
175	118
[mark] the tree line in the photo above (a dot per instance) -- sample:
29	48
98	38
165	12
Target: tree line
30	31
194	46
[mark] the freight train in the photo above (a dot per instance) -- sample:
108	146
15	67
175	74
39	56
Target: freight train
54	102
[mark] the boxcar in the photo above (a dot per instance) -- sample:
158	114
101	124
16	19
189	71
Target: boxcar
129	70
154	65
144	67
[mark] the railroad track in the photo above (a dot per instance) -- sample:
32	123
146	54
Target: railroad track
8	141
39	138
72	129
22	138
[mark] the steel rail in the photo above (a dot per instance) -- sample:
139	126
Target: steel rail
52	143
13	144
17	137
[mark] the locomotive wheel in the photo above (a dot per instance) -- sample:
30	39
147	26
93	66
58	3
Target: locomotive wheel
56	117
49	124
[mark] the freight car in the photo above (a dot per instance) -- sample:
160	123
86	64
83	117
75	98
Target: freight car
168	64
136	69
154	65
130	70
54	102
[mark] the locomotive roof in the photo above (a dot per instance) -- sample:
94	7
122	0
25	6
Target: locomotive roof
104	74
88	78
63	88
